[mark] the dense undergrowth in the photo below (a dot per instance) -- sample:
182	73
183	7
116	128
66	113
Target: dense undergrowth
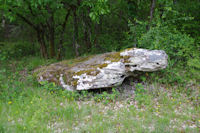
160	103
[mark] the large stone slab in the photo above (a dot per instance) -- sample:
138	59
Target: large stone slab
102	71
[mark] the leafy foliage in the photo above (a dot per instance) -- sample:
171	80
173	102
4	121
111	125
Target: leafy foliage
177	45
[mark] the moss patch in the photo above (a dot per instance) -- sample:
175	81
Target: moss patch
113	57
116	57
92	69
126	59
73	62
89	70
92	72
103	65
74	82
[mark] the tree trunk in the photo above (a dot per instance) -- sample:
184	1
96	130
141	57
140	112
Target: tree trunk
75	36
41	41
52	35
60	47
52	44
153	4
87	32
96	32
40	34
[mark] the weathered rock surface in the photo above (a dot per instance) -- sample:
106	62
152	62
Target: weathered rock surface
101	71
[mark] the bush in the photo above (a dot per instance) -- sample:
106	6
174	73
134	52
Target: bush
17	50
194	68
179	47
183	64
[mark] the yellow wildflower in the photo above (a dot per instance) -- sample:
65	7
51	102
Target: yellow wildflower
10	102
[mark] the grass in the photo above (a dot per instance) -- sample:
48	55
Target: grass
26	106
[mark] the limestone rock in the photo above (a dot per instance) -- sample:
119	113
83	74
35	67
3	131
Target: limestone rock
102	71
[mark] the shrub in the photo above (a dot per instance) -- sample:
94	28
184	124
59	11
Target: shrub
183	64
17	50
179	47
194	68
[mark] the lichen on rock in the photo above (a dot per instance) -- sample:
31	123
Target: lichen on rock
100	71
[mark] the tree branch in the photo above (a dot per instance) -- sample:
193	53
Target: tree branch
25	19
153	3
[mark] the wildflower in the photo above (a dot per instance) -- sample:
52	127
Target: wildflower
10	102
31	102
199	121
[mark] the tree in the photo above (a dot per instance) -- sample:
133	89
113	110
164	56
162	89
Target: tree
49	18
40	16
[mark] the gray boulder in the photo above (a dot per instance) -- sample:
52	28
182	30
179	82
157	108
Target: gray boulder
101	71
